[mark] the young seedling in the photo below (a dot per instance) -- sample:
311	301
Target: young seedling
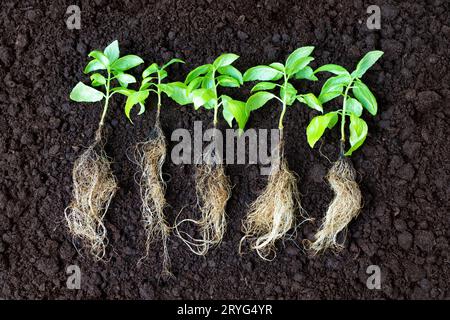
212	185
94	184
347	201
272	214
150	156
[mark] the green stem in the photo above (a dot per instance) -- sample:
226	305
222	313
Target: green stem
105	106
343	111
216	107
280	123
159	98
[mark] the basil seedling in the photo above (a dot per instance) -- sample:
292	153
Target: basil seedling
272	214
212	185
94	184
347	201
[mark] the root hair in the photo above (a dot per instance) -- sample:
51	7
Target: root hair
345	206
150	156
272	214
94	185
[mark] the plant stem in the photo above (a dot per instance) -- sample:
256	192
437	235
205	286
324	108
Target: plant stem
105	107
343	111
216	107
280	123
159	98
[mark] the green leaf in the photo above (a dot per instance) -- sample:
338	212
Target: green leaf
297	55
97	79
227	81
162	74
311	101
291	93
124	91
278	66
177	91
98	55
358	133
306	73
84	93
201	70
208	81
150	70
138	97
263	86
112	51
366	62
333	68
317	127
175	60
232	72
201	97
125	79
365	96
195	84
94	65
126	62
262	73
225	60
353	106
237	109
333	87
298	65
259	99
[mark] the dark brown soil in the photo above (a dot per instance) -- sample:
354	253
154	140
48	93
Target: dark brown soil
404	166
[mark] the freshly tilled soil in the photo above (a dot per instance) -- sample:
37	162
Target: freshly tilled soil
403	168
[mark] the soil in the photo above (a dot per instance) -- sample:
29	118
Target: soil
404	166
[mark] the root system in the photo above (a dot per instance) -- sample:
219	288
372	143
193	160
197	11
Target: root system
344	207
272	214
150	157
213	191
94	185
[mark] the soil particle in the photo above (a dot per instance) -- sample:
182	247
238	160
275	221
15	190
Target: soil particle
405	240
424	240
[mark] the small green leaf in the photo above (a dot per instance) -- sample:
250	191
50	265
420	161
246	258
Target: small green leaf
202	96
225	60
195	84
333	68
358	133
306	73
124	91
125	79
126	62
94	65
201	70
138	97
296	55
232	72
97	79
259	99
150	70
278	66
365	96
353	106
262	73
288	93
227	81
333	87
98	55
298	65
263	86
162	74
178	91
112	51
228	116
311	101
208	81
366	62
175	60
237	109
317	127
84	93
